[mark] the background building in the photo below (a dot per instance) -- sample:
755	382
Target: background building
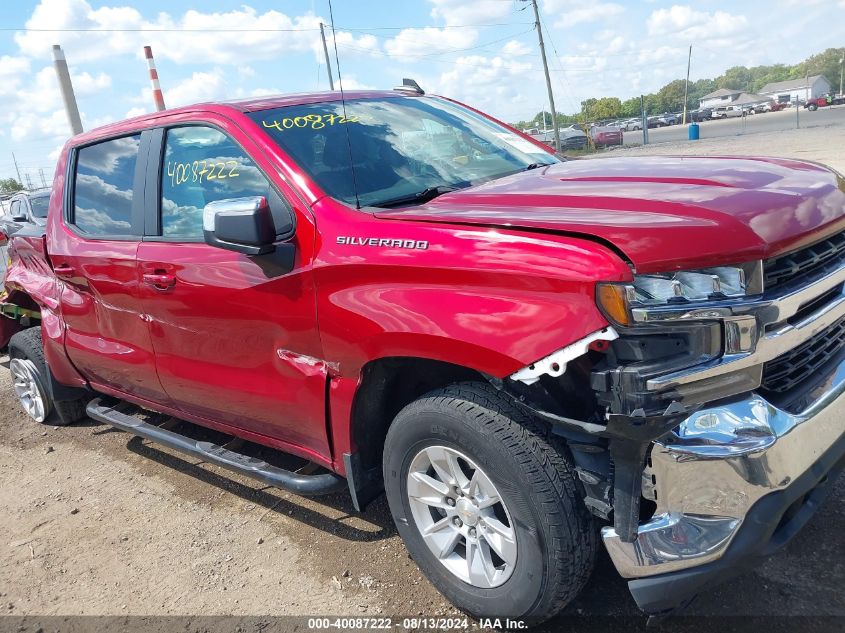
720	97
797	89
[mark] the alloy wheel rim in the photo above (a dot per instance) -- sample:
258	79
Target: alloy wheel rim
28	388
462	517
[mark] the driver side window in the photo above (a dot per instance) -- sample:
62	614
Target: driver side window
202	165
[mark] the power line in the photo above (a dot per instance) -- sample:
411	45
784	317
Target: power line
252	30
450	51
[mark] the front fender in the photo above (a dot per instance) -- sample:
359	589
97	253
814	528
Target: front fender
488	299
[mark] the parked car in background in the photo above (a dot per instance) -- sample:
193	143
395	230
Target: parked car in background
727	112
668	118
655	121
699	115
633	124
573	137
606	135
25	207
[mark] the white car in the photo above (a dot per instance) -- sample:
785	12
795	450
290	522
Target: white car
727	112
632	124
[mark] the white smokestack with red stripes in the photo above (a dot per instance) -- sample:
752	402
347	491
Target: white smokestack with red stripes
158	97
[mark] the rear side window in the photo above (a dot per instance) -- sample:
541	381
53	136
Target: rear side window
202	165
105	172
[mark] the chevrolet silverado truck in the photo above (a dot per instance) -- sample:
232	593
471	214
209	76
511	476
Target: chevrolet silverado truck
531	357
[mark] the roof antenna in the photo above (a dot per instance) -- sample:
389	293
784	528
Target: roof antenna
343	105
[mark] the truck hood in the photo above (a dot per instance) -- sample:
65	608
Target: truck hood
663	213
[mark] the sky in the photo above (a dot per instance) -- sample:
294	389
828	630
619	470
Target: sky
482	52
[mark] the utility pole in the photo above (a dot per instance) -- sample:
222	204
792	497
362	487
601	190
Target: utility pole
43	179
17	169
546	69
328	62
841	71
158	97
28	182
66	87
645	119
686	86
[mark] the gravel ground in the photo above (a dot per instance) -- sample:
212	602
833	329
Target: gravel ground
823	144
94	522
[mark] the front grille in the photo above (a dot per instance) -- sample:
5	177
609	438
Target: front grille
781	270
790	369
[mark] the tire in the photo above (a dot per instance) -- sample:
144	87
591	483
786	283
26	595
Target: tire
812	107
30	377
554	534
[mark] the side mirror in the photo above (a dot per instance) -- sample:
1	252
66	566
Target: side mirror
243	225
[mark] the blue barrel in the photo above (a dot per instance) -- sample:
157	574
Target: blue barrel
693	131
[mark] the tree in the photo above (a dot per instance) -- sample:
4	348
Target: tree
825	63
671	96
631	107
10	185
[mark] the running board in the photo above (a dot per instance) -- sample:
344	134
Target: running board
305	485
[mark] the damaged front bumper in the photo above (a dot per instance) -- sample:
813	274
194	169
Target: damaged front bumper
732	483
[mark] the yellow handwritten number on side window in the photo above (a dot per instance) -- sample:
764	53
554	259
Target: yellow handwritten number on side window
199	170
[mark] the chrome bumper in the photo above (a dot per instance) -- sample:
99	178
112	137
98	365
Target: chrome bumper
722	460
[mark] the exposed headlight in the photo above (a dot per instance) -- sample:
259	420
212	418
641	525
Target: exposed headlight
682	289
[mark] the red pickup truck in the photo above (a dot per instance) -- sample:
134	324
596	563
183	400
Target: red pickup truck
823	102
398	293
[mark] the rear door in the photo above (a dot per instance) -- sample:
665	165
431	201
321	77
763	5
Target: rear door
93	251
235	337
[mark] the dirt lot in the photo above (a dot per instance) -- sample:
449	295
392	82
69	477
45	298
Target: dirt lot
95	522
823	144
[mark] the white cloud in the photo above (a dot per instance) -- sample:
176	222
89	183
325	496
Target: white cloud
417	42
685	22
494	84
187	38
12	69
27	125
199	87
136	111
516	49
455	12
568	13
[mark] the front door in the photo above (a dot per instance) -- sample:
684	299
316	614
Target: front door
235	337
93	252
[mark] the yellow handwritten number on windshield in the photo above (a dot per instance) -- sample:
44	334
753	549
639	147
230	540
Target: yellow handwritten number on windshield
310	121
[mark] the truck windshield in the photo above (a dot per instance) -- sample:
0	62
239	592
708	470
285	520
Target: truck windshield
39	206
397	151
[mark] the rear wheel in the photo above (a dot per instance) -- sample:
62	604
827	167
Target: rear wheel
487	505
30	379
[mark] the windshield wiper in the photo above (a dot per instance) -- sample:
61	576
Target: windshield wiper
429	193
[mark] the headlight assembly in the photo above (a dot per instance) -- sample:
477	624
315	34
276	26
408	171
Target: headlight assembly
688	290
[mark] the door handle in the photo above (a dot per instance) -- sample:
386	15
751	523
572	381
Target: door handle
63	270
160	281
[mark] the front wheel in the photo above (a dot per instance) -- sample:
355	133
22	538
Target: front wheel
487	505
812	107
